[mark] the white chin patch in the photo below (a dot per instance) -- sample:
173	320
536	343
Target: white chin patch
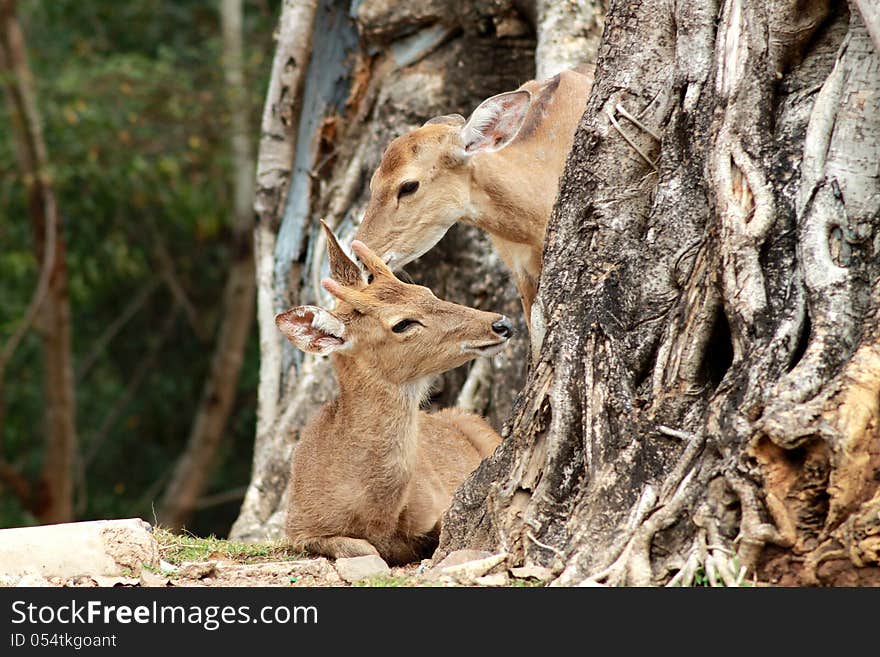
484	350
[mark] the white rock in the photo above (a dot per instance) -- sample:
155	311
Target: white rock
532	572
33	580
495	579
470	570
100	547
9	580
154	579
459	557
196	569
357	568
110	582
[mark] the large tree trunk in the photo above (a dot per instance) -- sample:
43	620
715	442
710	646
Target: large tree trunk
412	61
706	396
49	310
193	469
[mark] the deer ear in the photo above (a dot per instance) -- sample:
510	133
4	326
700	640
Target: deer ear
495	122
342	268
456	120
313	329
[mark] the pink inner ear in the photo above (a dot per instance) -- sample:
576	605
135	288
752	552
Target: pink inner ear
300	322
324	341
299	327
499	121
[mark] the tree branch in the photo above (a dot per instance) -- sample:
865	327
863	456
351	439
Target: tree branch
115	326
134	383
169	274
16	482
22	109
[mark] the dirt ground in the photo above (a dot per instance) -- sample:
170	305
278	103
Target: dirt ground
303	572
147	556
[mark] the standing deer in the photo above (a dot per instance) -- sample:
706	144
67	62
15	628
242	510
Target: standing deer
373	474
499	171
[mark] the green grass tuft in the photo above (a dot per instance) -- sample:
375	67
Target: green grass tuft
177	548
385	581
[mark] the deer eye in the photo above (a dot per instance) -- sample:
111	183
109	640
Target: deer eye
407	188
403	325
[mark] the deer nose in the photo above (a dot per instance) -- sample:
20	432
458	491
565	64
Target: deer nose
503	327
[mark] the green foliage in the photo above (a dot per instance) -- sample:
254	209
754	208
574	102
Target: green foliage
132	99
703	578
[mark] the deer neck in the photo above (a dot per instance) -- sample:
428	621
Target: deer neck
380	420
509	205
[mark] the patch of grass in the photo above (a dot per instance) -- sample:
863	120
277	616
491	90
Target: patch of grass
702	578
177	548
531	582
384	581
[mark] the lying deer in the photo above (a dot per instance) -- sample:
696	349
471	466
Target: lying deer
499	171
372	473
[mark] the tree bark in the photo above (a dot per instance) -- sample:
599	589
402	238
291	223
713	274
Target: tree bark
50	308
192	471
412	61
705	405
568	34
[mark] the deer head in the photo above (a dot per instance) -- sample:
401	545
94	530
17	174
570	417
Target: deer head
400	331
423	184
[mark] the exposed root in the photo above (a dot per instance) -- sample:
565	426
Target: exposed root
683	347
675	433
754	534
559	553
695	559
650	515
622	111
629	141
721	563
815	558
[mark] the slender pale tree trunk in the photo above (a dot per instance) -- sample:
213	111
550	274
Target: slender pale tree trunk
192	472
278	131
49	310
706	403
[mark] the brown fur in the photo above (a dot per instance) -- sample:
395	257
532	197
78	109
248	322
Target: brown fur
509	193
372	473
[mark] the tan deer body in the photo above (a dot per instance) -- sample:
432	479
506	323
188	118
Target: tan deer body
499	171
373	473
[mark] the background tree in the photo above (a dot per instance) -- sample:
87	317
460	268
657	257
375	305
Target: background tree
51	497
705	405
133	98
340	90
194	466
